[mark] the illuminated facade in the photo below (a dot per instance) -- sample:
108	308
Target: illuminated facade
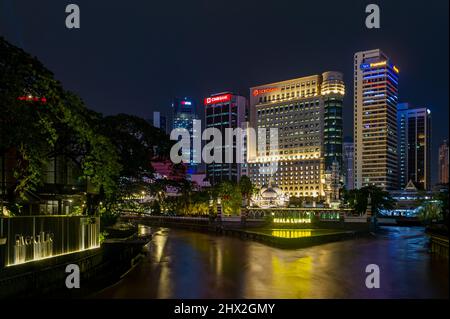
183	117
375	120
225	110
414	145
348	163
307	112
443	162
159	121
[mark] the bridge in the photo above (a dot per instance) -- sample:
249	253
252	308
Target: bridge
314	217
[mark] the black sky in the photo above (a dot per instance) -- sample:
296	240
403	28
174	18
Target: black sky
133	56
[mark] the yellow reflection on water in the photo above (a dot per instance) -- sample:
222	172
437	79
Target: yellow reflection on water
291	233
292	278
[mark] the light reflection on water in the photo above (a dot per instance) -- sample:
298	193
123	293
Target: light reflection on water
183	264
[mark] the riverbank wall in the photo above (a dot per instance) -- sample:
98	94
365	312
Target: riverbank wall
99	268
248	229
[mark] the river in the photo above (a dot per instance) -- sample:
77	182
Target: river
185	264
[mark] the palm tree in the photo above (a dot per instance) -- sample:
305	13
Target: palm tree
246	186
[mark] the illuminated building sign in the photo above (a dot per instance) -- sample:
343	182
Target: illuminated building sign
396	69
373	65
217	99
365	66
30	98
186	103
257	92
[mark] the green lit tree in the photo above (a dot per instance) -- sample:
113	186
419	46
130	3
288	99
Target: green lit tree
431	211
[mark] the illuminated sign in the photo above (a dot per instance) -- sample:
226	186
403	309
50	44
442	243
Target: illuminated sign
373	65
30	98
365	66
396	69
217	99
186	103
257	92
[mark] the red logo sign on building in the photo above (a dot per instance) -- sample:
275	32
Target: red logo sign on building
257	92
218	99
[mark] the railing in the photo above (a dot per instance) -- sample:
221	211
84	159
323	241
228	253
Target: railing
439	245
31	238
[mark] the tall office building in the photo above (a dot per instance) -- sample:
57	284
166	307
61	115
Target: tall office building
443	162
348	163
375	120
183	116
225	110
307	112
159	121
414	145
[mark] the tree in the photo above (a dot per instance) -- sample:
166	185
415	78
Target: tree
136	142
443	199
357	199
295	201
431	211
231	198
246	187
49	122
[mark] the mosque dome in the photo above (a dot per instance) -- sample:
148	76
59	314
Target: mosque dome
269	193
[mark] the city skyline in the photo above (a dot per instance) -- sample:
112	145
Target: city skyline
182	68
243	150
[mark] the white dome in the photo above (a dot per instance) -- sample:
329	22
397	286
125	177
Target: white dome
269	193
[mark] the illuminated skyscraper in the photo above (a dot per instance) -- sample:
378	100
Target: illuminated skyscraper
307	112
443	162
183	116
159	121
225	110
375	120
414	145
348	163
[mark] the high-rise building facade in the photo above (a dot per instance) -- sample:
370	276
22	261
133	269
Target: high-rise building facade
375	120
414	145
184	114
348	163
158	120
443	162
225	110
307	112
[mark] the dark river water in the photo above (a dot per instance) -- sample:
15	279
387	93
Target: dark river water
184	264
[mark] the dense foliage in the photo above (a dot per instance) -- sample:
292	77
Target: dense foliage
61	126
358	199
41	121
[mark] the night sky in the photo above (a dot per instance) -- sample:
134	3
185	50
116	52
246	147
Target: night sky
133	56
